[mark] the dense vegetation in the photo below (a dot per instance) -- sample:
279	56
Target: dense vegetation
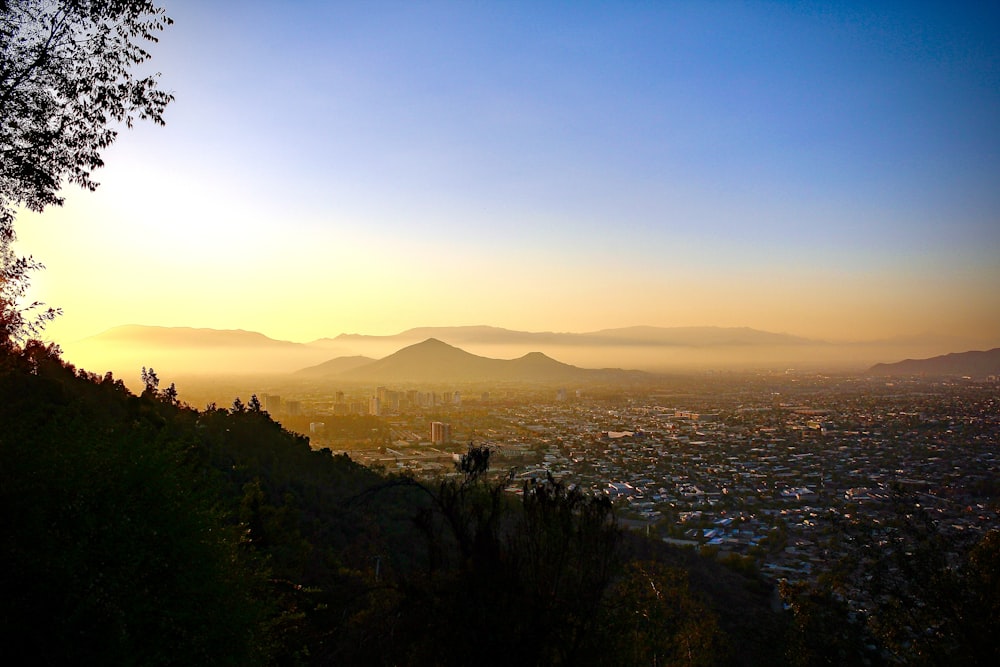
137	530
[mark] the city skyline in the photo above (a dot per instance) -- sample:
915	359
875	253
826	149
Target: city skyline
823	172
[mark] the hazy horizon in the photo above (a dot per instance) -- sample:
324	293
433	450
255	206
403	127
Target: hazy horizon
186	351
825	171
390	332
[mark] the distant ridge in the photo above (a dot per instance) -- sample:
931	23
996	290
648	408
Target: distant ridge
335	366
973	363
696	336
204	351
187	350
135	334
436	361
624	336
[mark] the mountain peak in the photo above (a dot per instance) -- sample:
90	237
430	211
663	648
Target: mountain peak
433	342
433	360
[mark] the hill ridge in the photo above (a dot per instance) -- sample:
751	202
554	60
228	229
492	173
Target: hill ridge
977	363
433	360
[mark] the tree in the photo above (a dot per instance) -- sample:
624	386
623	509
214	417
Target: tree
19	323
657	620
533	574
822	630
151	382
67	84
934	590
116	548
169	395
929	595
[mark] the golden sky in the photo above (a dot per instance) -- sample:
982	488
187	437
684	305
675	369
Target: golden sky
327	170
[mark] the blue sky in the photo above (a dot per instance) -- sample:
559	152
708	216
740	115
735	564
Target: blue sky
825	169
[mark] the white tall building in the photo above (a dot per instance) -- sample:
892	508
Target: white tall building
440	433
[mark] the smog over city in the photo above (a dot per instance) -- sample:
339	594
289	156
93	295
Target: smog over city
457	333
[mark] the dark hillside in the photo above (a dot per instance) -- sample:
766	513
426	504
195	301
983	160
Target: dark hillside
112	550
742	600
137	529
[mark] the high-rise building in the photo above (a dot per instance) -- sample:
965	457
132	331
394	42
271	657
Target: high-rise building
271	403
374	406
388	399
440	433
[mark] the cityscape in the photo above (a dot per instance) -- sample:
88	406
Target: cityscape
774	467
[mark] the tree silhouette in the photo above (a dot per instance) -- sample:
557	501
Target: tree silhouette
67	82
931	595
66	79
169	395
151	382
657	620
934	592
532	573
19	323
114	548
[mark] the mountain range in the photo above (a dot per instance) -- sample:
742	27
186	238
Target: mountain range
183	350
125	349
638	335
435	361
335	366
977	364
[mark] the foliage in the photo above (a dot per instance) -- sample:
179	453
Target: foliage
823	630
150	382
67	83
922	595
934	594
531	574
66	77
113	547
140	530
656	619
738	604
19	323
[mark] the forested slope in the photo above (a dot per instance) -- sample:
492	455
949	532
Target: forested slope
140	530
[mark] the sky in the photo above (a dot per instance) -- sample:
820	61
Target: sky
830	170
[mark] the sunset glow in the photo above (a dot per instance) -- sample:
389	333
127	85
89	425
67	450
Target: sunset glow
370	167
